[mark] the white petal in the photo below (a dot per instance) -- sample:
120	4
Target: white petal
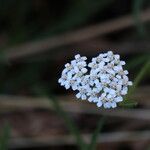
99	104
84	70
59	80
118	99
77	56
118	87
73	62
96	81
93	59
110	53
117	57
103	76
83	96
103	95
106	59
99	86
107	105
69	75
109	96
78	95
84	58
125	78
111	71
65	71
118	68
106	90
67	65
78	80
67	85
93	71
115	79
62	84
130	83
74	87
122	62
101	65
126	72
90	99
113	104
76	69
120	82
112	92
118	76
95	99
124	91
95	90
104	54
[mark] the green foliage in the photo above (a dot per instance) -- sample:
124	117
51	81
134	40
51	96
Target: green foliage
139	77
137	61
130	103
73	128
92	145
69	123
4	138
137	7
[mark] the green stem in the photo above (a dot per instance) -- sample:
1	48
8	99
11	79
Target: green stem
92	145
137	61
137	7
69	123
127	102
4	139
139	77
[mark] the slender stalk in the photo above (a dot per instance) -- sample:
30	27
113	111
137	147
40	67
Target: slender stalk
139	77
137	61
137	7
92	145
69	123
136	82
5	137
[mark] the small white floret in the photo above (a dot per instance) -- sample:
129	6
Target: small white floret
105	82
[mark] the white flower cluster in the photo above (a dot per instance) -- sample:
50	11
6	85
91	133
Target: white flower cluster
104	83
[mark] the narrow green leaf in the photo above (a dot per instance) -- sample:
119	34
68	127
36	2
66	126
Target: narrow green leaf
137	7
69	123
92	145
139	77
138	60
127	102
5	137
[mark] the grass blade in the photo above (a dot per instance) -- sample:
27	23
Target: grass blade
5	137
127	102
137	7
139	77
92	145
69	123
138	60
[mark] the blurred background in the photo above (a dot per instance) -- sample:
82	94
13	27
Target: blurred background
37	37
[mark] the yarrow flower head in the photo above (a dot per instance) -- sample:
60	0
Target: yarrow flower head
105	82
